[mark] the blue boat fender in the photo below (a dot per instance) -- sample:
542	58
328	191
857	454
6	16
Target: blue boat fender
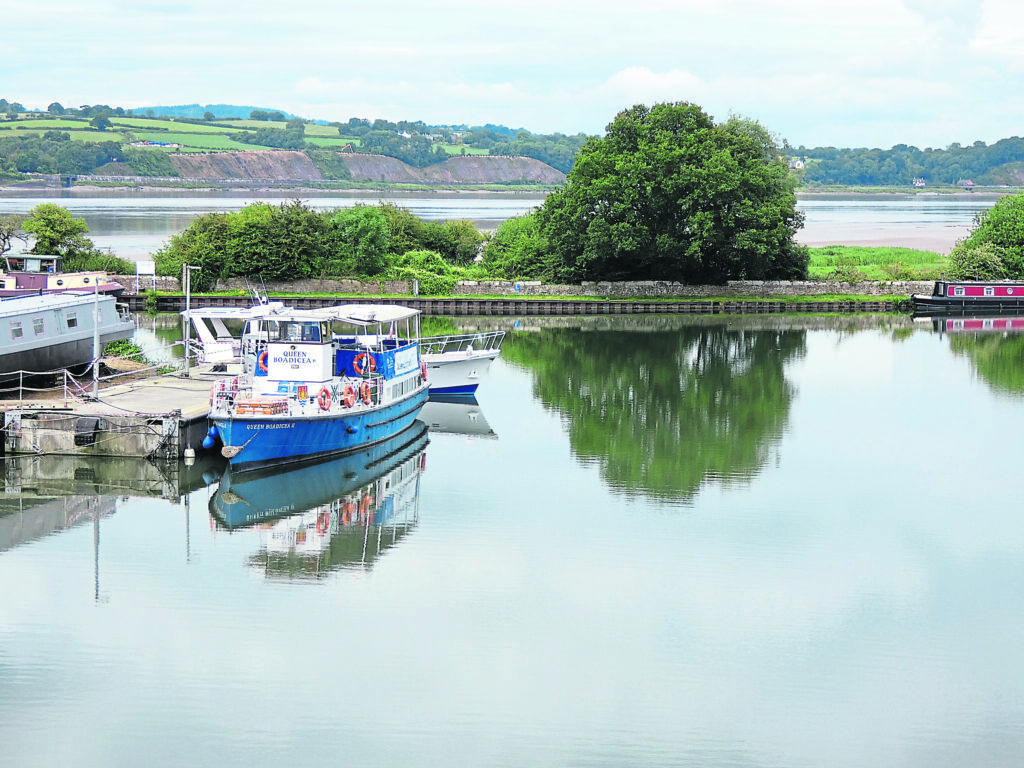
211	437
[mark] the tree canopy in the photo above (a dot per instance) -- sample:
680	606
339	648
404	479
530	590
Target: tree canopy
669	195
56	231
994	249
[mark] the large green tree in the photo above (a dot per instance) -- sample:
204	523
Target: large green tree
994	249
668	195
56	231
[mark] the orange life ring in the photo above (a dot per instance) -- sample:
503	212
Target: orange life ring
323	522
364	392
348	398
346	513
323	399
261	361
357	363
364	507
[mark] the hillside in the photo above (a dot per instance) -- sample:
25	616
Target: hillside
284	165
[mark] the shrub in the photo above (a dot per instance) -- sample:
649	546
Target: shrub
980	262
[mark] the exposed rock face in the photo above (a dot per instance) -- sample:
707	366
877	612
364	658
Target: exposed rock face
285	165
258	164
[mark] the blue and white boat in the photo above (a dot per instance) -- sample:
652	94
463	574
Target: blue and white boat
457	362
317	382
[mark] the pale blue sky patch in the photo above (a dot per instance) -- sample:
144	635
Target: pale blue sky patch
844	73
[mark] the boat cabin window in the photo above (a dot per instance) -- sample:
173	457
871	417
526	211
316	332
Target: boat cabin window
37	325
288	330
33	264
958	290
16	330
72	320
990	291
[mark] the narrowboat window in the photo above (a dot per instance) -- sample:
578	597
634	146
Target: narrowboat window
990	291
37	325
958	291
72	320
16	331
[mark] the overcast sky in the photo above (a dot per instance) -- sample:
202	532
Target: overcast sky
848	73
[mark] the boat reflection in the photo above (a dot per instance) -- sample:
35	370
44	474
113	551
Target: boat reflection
976	323
318	517
459	415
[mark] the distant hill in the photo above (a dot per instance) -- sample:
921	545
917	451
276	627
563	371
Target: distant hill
196	111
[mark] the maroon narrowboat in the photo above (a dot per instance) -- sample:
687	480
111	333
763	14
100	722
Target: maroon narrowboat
966	296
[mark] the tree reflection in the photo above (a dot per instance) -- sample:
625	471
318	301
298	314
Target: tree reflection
997	358
664	411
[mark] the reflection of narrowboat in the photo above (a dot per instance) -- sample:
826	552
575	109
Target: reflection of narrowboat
992	323
331	514
970	296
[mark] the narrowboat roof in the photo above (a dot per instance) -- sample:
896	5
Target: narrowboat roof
18	305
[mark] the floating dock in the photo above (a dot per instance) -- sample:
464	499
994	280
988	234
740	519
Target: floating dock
156	418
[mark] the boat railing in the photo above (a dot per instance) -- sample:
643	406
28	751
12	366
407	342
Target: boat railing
463	342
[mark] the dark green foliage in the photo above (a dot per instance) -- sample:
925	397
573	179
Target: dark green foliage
98	261
518	249
435	275
417	151
663	431
457	241
667	195
278	138
329	163
556	150
358	240
900	165
977	262
283	242
148	162
995	246
56	231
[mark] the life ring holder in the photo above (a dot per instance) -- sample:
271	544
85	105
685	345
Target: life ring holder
323	399
370	367
348	396
261	360
365	394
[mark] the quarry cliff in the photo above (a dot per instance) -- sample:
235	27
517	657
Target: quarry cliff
284	165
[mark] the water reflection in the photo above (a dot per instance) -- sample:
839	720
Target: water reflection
457	416
668	404
994	346
318	517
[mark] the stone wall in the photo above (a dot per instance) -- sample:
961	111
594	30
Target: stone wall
662	289
623	290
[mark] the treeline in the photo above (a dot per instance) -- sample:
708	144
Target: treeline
55	152
997	164
420	144
291	241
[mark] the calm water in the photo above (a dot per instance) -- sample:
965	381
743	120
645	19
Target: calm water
136	226
653	542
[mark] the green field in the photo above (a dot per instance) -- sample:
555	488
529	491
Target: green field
853	263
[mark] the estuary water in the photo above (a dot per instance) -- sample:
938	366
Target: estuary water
652	541
134	226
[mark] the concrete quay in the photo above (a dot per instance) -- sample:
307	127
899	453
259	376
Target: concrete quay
158	417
